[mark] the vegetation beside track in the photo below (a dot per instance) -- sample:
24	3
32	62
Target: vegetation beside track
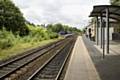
21	47
11	44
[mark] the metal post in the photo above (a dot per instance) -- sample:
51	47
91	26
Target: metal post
97	31
107	27
103	39
101	31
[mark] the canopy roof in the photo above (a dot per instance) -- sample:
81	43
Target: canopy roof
100	10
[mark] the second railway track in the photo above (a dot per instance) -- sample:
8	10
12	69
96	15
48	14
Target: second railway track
52	69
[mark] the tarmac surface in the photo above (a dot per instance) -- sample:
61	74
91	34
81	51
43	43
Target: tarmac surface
109	67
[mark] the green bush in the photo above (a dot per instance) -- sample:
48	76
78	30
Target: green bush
7	39
53	35
41	33
37	34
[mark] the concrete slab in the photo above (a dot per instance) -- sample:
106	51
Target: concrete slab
81	66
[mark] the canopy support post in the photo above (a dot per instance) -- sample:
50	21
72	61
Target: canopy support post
101	18
97	31
107	27
103	46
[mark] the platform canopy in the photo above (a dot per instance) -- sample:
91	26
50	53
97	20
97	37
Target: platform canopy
104	13
100	10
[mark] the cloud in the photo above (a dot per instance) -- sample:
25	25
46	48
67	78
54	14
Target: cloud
72	12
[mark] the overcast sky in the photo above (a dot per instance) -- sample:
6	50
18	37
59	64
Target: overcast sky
71	12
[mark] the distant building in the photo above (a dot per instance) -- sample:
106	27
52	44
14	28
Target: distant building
62	33
114	30
90	31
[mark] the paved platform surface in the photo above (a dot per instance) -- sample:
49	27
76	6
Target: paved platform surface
109	67
81	66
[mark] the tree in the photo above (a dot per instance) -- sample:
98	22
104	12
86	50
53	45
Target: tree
115	2
55	28
58	27
50	27
65	28
11	18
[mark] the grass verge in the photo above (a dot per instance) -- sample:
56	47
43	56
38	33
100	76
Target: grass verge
20	48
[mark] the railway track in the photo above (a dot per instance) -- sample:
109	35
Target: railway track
51	70
11	67
28	52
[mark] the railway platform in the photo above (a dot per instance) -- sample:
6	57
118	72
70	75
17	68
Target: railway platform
81	66
109	67
87	61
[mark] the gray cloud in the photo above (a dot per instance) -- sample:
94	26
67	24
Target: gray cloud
72	12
